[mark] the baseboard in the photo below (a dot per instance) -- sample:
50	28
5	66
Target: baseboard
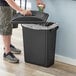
65	60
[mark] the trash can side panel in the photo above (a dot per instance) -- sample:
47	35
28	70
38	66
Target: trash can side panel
51	41
38	47
26	53
34	46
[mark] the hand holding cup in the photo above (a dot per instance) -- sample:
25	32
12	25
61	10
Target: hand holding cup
41	7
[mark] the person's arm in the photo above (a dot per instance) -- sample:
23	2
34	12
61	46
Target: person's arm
13	5
39	1
17	8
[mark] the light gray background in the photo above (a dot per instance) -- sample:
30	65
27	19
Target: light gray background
63	12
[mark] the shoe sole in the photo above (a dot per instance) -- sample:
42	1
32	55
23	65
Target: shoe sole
11	61
15	52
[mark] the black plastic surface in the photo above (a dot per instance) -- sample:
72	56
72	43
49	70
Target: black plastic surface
36	18
39	46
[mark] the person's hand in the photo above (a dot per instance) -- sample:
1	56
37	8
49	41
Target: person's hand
39	2
26	12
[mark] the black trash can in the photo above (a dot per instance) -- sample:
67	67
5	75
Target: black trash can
39	43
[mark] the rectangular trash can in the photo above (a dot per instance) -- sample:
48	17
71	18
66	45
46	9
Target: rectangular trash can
39	43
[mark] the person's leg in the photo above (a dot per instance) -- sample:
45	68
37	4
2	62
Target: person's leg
7	42
6	32
8	46
13	49
8	56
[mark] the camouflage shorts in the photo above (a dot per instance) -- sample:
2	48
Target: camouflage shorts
5	17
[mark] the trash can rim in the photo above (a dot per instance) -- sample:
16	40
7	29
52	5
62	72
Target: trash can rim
39	27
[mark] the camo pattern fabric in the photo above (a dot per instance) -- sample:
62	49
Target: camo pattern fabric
5	17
